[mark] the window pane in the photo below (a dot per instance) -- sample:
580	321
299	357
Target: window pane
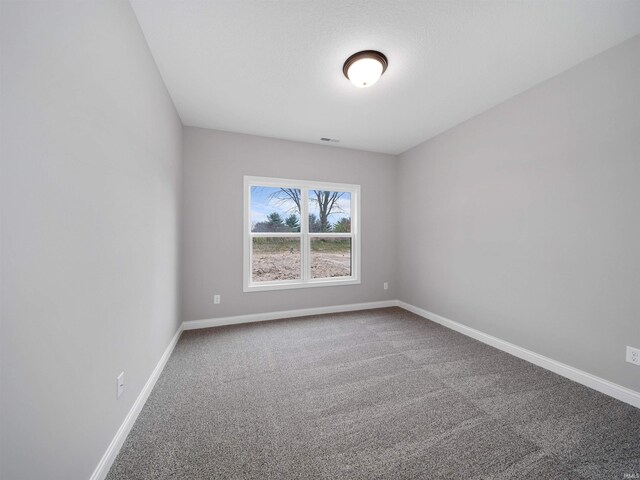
275	259
330	257
329	211
275	209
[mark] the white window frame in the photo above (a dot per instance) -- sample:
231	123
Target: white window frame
305	280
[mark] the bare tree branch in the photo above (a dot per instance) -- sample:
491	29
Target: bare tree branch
327	203
284	195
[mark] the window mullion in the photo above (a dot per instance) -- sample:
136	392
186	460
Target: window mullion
304	230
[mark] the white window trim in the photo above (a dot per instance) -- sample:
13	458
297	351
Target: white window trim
305	281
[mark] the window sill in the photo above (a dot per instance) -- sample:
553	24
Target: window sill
291	284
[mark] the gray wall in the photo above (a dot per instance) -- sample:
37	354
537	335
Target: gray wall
91	148
214	166
524	222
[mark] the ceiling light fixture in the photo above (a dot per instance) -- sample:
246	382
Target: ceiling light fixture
363	69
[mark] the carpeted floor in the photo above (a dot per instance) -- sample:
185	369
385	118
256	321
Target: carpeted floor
372	394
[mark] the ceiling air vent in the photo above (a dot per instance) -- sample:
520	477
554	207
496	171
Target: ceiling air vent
332	140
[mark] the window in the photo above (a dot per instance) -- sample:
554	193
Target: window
300	234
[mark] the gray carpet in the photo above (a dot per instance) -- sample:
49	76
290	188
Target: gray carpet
373	394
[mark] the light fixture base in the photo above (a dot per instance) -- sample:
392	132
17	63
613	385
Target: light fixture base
373	54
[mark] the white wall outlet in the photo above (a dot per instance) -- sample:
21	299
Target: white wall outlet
120	384
633	355
385	285
216	299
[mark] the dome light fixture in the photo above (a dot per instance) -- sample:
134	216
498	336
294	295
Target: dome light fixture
363	69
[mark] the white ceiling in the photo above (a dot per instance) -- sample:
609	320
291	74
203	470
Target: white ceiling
274	68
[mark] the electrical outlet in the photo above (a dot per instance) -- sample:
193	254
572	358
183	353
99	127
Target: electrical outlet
216	299
385	285
120	384
633	355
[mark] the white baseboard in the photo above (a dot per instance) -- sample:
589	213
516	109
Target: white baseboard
303	312
110	455
601	385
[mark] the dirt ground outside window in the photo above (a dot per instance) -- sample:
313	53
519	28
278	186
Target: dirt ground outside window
279	258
